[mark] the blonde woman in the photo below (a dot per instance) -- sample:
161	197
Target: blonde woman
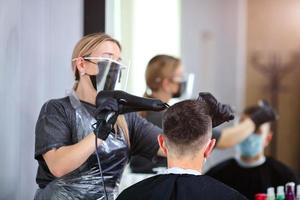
164	80
64	138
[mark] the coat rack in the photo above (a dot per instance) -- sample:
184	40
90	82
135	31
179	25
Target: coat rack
275	70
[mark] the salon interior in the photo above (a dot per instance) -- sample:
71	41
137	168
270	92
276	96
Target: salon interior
241	51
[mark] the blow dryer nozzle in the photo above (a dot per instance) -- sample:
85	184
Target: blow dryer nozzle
130	103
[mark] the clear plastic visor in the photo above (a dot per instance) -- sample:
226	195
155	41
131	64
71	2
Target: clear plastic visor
112	74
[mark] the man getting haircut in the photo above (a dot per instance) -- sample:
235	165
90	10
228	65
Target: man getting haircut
251	171
186	142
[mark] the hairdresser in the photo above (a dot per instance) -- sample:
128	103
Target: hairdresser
65	133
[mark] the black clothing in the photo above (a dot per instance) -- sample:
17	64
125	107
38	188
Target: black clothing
140	164
155	117
56	127
250	181
180	187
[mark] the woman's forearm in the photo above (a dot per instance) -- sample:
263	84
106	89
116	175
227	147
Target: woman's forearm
68	158
233	135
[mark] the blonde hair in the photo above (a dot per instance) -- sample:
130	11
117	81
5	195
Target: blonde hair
84	47
160	67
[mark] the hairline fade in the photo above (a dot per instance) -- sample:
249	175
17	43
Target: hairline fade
187	125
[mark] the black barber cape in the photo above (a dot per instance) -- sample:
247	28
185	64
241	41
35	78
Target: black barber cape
250	181
179	187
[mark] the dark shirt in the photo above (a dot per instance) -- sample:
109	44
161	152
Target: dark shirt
155	117
180	187
250	181
140	164
56	127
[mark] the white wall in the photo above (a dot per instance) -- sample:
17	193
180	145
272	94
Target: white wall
213	47
145	29
36	39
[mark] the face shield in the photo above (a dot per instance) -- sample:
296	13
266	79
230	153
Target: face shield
112	74
186	84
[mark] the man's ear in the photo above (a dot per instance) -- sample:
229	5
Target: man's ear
268	139
209	147
162	144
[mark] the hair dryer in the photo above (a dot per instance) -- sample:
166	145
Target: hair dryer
130	103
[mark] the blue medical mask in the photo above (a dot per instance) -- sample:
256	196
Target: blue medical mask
251	146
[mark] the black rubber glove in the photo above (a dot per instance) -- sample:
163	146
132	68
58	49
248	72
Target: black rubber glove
264	114
106	115
219	113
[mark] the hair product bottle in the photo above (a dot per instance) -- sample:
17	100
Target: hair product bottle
260	196
270	193
298	192
280	193
289	195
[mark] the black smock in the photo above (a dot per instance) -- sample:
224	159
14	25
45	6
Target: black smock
180	187
56	127
250	181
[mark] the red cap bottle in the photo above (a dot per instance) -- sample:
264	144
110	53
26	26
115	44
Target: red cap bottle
261	196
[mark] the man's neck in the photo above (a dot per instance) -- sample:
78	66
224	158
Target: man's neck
250	160
247	162
192	163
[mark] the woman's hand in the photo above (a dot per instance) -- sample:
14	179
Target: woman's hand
106	115
220	113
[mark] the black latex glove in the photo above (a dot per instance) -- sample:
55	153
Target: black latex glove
106	115
219	113
265	114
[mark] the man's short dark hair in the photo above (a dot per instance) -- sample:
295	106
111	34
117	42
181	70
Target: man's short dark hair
250	110
186	122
